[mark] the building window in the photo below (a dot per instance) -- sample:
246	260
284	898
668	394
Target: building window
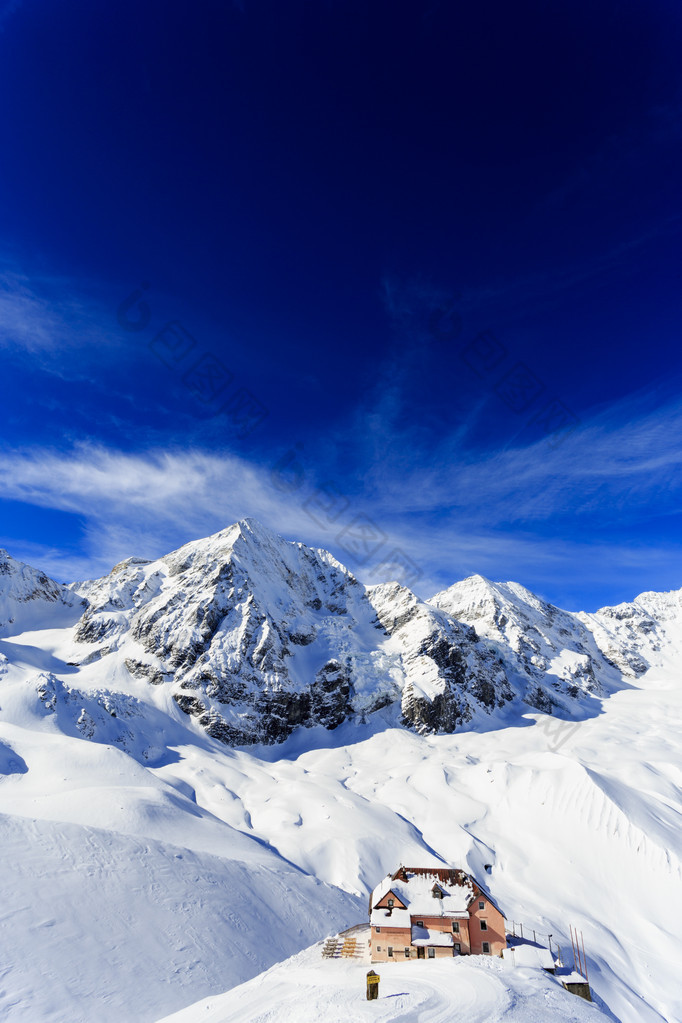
391	903
432	953
458	948
455	927
484	925
486	948
419	923
390	952
407	952
481	905
378	948
378	930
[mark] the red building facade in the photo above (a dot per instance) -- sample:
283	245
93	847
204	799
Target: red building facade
432	913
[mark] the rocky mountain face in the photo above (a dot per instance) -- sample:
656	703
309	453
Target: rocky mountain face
253	636
29	599
633	636
257	636
561	656
550	654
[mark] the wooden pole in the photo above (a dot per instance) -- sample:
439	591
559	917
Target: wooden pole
584	956
534	938
573	946
521	929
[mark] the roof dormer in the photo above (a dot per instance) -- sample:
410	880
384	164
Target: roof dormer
390	901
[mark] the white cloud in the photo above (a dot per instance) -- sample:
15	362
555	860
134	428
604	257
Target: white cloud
26	320
147	504
625	458
515	513
451	522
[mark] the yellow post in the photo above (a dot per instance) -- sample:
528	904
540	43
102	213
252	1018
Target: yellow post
372	985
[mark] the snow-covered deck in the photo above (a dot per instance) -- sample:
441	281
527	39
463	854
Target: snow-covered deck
528	953
428	936
395	918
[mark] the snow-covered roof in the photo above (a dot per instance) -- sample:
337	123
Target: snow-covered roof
523	954
394	918
417	893
427	936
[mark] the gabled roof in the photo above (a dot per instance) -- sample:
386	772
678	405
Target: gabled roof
391	894
415	886
415	890
485	893
451	875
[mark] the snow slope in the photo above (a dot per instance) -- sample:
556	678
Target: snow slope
308	989
97	925
146	864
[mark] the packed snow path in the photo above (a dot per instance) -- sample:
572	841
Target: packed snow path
309	989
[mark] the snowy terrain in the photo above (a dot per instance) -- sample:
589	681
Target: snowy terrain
148	865
468	990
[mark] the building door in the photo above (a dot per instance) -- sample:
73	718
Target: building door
420	952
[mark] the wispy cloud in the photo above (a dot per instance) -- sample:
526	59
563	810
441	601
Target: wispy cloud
43	314
138	503
151	502
499	515
26	320
60	327
624	456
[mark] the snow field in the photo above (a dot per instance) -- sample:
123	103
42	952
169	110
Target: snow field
99	927
308	989
146	865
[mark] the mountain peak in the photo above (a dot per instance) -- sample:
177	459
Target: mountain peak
28	595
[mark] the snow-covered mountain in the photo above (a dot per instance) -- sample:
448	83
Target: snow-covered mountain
552	654
256	636
482	728
29	599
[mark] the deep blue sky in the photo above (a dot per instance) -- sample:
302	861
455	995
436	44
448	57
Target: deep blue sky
376	217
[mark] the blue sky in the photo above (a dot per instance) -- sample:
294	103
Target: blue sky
397	279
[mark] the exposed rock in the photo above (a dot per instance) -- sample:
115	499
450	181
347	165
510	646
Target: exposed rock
552	653
140	669
330	702
257	636
27	594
